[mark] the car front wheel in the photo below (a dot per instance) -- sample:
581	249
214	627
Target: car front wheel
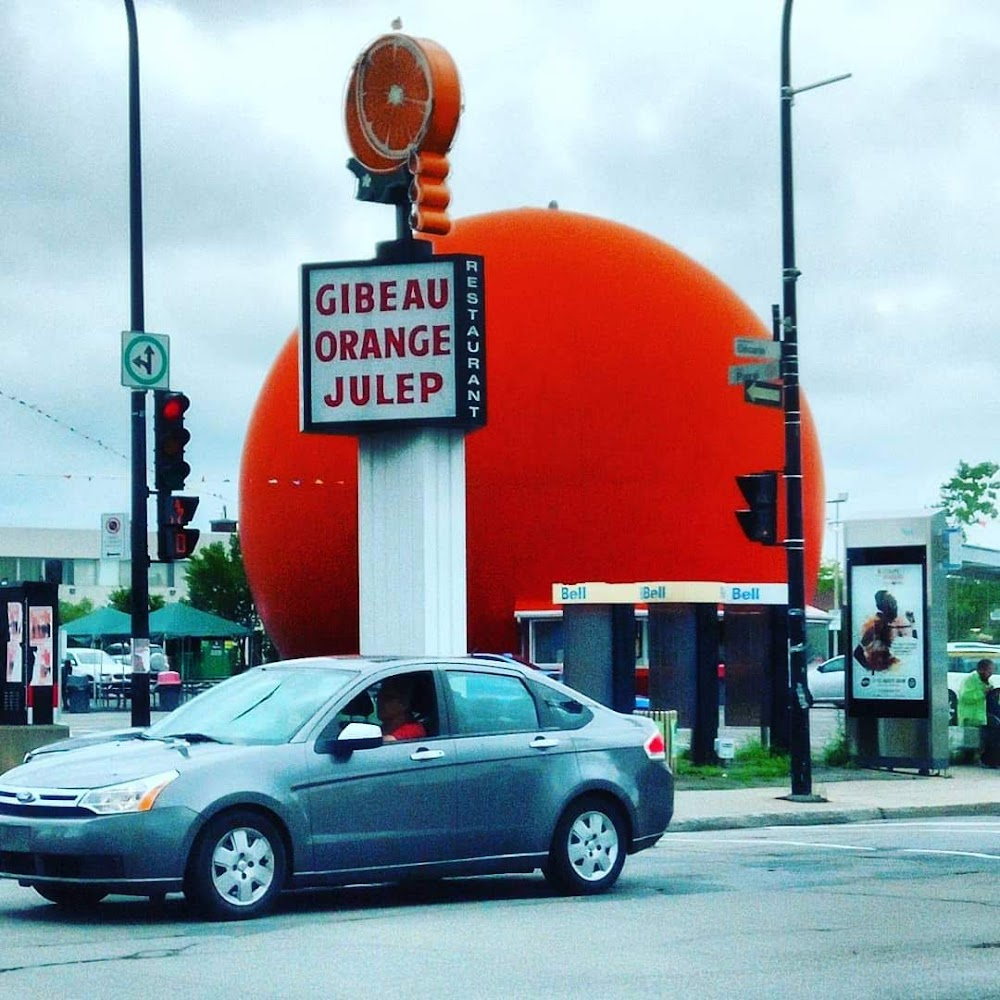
69	896
237	867
588	848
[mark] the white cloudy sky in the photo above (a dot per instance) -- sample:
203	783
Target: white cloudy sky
662	115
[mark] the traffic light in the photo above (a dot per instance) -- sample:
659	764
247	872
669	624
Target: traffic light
170	439
173	540
760	521
429	194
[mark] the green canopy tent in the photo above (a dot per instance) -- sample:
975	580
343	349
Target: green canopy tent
104	623
186	627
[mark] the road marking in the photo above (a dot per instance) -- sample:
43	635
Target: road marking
764	842
952	854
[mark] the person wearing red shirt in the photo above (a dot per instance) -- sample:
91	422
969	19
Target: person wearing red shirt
392	703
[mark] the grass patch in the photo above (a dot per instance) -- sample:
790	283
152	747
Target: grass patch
837	753
754	764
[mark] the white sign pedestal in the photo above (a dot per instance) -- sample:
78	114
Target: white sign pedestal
411	534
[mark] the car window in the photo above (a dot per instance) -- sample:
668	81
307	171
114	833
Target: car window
260	706
559	710
419	709
484	704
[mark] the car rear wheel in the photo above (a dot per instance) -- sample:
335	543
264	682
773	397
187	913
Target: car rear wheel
588	849
237	867
69	896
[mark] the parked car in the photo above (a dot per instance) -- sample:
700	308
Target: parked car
962	660
280	778
95	665
122	652
826	680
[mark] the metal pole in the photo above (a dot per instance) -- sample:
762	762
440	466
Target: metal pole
799	743
140	490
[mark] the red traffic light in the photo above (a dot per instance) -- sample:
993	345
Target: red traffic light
170	439
175	406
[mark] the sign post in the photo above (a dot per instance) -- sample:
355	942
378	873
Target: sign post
393	351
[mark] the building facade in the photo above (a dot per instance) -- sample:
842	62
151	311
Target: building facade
84	565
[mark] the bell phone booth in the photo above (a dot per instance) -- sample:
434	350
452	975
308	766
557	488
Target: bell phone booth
599	628
896	670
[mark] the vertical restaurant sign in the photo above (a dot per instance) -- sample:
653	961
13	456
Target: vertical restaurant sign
393	344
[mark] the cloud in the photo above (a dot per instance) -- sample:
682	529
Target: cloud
663	117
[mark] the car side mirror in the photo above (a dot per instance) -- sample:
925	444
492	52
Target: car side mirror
354	736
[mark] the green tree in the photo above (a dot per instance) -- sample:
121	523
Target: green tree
217	583
829	575
970	496
69	612
122	600
970	602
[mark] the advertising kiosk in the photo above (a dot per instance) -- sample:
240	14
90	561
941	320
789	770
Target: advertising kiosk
896	664
29	684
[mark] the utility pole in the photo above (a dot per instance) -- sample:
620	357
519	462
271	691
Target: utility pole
799	743
140	490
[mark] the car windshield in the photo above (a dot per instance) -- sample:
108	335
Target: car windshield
261	706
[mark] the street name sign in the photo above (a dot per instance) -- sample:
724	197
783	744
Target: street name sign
763	371
755	347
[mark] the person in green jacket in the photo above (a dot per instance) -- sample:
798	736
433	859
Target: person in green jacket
972	697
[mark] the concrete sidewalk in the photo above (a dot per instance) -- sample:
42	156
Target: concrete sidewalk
856	796
959	791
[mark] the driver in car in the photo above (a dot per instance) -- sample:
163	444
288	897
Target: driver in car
393	705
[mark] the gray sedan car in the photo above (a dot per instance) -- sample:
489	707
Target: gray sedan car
282	778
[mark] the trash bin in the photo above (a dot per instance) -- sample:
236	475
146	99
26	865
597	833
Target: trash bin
168	690
76	692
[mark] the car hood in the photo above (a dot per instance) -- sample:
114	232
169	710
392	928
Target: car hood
109	762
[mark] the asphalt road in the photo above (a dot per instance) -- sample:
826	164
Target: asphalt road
887	909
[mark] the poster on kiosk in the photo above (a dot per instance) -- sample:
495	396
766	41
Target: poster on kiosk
887	662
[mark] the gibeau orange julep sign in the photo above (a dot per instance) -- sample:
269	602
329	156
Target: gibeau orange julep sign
398	340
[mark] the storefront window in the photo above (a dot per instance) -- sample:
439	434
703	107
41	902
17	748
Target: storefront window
547	641
84	572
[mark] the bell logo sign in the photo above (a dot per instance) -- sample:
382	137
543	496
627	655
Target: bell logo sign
393	343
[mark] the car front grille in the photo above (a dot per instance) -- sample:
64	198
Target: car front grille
34	811
40	802
69	866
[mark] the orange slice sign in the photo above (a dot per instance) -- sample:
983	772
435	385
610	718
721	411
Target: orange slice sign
403	97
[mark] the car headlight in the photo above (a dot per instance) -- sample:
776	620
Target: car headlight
130	796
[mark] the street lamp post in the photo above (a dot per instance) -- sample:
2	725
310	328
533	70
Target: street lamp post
841	498
799	743
140	489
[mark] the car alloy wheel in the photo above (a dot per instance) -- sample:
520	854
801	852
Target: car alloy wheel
588	849
237	867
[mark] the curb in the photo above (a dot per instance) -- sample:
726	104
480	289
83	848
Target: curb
829	817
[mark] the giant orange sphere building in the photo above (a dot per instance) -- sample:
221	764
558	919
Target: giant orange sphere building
610	453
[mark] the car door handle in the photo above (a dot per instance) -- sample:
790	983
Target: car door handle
424	754
543	743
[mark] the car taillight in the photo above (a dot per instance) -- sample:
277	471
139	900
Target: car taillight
655	747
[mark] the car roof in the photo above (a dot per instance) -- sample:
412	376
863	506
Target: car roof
87	653
373	664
